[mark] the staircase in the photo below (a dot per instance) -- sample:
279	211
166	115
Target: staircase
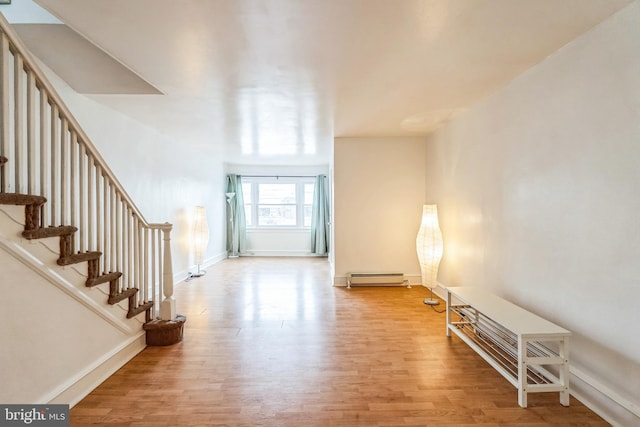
49	165
33	205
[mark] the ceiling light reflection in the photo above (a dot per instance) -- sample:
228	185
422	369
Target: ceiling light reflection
276	124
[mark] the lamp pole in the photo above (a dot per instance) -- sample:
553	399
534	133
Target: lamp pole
230	197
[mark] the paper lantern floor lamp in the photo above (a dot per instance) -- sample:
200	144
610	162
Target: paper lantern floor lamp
429	248
200	238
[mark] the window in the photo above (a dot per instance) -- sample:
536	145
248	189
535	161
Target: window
246	194
308	203
278	202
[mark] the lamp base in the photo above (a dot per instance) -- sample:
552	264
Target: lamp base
431	301
195	275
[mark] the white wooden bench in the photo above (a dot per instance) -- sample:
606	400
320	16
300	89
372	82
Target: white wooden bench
529	351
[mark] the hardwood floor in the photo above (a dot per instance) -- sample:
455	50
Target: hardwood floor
269	342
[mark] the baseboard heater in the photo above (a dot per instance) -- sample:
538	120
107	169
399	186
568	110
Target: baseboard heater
375	279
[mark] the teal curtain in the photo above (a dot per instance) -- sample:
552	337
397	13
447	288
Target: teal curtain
236	221
320	217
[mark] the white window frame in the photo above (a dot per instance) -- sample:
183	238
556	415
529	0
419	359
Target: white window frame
300	205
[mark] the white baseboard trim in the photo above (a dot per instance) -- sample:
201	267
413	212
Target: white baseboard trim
340	281
440	291
282	253
184	274
79	386
601	399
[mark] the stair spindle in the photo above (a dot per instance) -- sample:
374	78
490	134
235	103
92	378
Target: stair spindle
55	164
64	171
73	175
82	167
91	212
31	133
44	153
98	207
5	124
18	126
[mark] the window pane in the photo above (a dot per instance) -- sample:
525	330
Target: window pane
277	215
307	215
308	194
247	213
246	192
276	194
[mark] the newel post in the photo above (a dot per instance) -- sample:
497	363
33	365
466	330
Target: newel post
168	329
168	304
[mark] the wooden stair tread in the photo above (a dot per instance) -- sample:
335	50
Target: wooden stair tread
113	299
139	309
103	279
21	199
78	258
41	233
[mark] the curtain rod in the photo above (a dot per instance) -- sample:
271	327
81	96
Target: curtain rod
280	176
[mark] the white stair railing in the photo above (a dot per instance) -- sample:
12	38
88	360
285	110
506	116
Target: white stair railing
50	155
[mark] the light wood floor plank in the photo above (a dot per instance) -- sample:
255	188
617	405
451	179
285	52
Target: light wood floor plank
269	342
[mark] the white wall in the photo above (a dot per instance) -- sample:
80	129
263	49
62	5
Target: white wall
271	242
378	196
56	346
538	189
165	178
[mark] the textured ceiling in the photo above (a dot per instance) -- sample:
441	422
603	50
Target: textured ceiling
274	81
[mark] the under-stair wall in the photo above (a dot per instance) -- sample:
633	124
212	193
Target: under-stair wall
58	344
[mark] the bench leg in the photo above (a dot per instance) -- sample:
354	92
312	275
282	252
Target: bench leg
564	371
448	313
522	372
